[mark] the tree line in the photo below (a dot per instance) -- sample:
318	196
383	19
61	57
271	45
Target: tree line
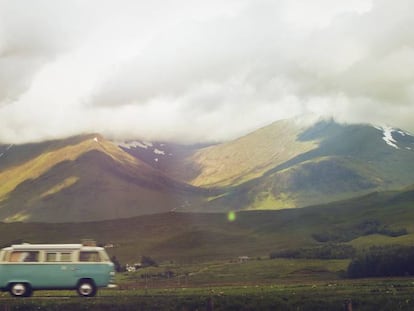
382	262
363	228
327	251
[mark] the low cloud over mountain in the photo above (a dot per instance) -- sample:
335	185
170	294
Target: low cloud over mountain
194	71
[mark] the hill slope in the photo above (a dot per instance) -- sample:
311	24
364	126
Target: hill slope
226	164
243	159
83	178
189	237
350	160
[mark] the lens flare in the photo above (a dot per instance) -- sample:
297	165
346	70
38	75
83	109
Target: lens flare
231	216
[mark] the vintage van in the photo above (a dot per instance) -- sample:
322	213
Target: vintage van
28	267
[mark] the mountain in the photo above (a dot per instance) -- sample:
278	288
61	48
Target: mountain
230	163
82	178
287	164
349	160
292	163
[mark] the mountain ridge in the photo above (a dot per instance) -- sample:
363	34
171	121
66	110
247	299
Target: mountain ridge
287	164
90	180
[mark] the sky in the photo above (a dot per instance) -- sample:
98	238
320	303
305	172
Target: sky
200	71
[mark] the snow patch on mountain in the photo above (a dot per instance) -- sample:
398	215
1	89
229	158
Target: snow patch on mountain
158	151
147	151
388	138
135	144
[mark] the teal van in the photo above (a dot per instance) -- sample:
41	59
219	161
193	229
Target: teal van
28	267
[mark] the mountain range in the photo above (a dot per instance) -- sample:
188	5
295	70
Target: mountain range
287	164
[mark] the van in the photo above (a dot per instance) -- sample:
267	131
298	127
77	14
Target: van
28	267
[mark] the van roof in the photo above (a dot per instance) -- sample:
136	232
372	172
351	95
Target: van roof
46	246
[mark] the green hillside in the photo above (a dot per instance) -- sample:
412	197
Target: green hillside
316	181
240	160
346	161
373	219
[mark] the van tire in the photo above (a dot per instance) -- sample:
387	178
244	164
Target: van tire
86	288
20	290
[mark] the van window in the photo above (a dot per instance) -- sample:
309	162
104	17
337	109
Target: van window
65	256
24	256
89	256
51	257
58	256
104	256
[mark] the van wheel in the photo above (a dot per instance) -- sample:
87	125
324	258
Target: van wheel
86	288
20	290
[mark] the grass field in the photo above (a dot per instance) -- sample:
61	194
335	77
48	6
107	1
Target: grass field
217	273
264	284
381	294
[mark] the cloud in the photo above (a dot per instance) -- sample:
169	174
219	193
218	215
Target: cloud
201	71
31	35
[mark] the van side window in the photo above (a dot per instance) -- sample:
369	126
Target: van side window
58	257
24	256
89	256
51	257
65	257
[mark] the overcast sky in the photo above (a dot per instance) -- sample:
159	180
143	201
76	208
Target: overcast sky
196	71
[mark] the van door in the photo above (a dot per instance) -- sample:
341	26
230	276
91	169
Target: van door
62	270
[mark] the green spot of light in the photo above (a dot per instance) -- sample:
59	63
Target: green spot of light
231	216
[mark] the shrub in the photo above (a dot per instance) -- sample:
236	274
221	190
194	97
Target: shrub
117	265
147	261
